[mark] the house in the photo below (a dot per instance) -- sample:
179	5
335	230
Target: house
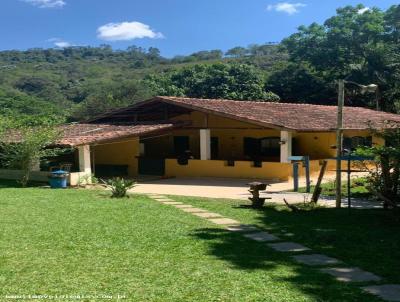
186	137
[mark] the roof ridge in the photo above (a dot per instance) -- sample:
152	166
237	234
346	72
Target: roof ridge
259	101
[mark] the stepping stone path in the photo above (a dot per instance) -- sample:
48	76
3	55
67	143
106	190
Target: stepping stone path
194	210
351	274
208	215
288	247
182	206
261	236
387	292
172	203
315	259
223	221
241	228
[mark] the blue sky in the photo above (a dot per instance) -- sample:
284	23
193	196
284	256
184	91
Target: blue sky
176	27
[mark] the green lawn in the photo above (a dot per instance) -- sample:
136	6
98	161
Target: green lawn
358	188
366	238
80	242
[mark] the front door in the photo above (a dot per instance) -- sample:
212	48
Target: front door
214	148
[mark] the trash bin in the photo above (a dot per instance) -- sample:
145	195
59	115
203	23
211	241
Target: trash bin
58	179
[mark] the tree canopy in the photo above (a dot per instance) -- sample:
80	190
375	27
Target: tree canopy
357	43
216	81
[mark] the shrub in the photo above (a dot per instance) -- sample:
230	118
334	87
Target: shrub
384	179
87	179
31	145
119	186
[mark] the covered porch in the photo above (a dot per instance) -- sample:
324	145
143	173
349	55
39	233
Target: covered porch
211	152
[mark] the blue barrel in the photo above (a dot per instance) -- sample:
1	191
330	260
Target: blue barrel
58	179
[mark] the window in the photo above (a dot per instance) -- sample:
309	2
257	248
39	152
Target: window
251	147
270	146
352	143
267	146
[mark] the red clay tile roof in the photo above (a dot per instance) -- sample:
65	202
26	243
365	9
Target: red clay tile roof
82	134
300	117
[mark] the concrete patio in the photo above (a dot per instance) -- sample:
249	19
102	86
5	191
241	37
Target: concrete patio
232	188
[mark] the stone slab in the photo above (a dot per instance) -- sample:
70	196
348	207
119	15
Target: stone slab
261	237
207	215
194	210
223	221
241	228
350	274
163	199
172	203
387	292
183	206
316	259
288	247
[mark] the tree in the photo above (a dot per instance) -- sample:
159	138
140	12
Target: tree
300	83
217	81
384	178
357	43
237	52
30	149
109	96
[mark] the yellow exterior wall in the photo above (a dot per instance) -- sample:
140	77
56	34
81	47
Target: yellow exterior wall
118	153
230	133
317	145
219	168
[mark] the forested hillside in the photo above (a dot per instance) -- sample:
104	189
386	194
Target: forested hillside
74	83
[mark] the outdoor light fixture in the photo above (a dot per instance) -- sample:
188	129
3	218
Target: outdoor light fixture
370	88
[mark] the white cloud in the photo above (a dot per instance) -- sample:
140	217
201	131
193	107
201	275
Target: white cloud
60	43
47	3
286	7
363	10
125	31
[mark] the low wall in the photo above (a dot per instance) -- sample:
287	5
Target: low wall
17	174
77	178
219	168
41	176
246	169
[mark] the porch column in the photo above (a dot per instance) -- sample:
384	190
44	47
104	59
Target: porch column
205	144
36	166
84	159
286	146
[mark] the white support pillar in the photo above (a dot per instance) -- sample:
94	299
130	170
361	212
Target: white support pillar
36	166
84	159
142	149
286	146
205	144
